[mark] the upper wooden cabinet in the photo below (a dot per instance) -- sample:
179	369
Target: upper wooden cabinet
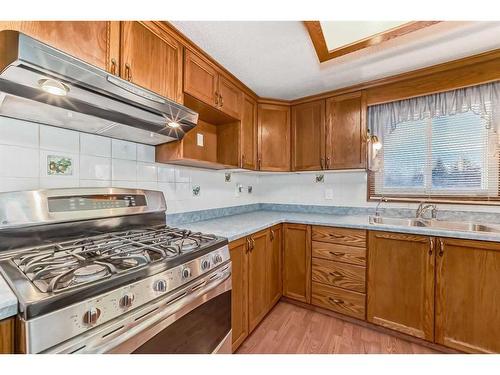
468	295
151	58
297	262
94	42
248	134
273	137
346	131
308	136
205	82
401	283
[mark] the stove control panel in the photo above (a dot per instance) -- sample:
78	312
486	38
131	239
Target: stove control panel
91	316
160	286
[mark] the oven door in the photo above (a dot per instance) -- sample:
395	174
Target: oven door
193	320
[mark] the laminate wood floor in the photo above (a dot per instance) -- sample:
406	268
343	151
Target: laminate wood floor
292	329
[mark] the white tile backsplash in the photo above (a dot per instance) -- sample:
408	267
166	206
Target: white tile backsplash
96	145
95	168
18	161
145	153
53	182
146	172
123	149
124	170
18	133
18	183
52	138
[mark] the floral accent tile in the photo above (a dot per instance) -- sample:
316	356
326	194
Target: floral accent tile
59	165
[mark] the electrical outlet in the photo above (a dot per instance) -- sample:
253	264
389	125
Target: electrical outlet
329	193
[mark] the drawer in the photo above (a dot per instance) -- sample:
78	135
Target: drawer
339	253
340	275
339	300
341	236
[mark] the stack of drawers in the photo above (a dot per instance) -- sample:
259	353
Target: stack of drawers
339	270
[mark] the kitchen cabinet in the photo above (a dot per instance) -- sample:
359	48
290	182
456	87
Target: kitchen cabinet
7	336
239	302
274	259
467	295
205	82
95	42
248	134
273	137
346	131
151	58
401	283
297	262
257	285
308	136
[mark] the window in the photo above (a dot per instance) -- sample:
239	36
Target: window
440	152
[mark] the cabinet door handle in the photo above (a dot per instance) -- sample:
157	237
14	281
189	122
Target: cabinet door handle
328	162
335	300
322	163
337	254
221	100
216	99
248	246
272	235
253	243
337	274
242	160
259	164
128	73
431	245
113	66
441	248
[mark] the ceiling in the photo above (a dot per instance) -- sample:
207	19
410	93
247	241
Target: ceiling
276	59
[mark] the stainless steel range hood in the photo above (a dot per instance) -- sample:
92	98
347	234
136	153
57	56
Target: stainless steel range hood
92	100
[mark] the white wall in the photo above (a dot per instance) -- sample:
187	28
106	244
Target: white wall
102	161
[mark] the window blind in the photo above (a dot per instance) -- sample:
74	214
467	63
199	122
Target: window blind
441	152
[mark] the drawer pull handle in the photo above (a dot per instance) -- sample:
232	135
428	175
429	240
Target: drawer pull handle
337	274
336	253
335	300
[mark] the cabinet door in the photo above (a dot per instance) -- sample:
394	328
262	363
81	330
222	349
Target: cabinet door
257	260
308	136
230	97
200	78
274	137
468	295
401	283
297	262
346	131
151	60
249	134
239	302
274	259
86	40
7	336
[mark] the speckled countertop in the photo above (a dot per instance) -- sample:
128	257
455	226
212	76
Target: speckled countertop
8	300
237	226
240	225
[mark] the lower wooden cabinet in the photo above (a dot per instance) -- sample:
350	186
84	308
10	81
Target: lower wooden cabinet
274	261
468	295
297	262
7	336
257	265
401	283
239	303
339	300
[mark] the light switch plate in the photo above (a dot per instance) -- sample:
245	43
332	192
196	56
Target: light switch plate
329	193
199	139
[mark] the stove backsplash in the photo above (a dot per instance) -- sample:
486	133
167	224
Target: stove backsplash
34	156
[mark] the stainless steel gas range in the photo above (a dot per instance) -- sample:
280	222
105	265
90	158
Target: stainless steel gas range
98	271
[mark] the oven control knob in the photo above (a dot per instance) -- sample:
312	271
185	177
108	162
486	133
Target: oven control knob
217	258
205	264
186	272
91	316
160	286
126	300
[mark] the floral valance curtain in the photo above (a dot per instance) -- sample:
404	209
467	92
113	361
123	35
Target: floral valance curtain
483	100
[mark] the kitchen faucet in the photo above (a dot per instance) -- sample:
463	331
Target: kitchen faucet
423	207
382	199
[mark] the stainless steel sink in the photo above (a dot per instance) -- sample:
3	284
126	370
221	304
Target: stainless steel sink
436	224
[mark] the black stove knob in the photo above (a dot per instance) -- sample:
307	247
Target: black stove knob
126	300
186	272
91	316
217	258
160	286
205	264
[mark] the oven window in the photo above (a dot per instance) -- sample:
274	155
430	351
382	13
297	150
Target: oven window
198	332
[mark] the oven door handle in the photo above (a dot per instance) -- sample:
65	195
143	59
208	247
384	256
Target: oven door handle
136	328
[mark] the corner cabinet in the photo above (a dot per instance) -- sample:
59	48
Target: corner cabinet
297	262
248	134
346	131
401	283
273	137
468	295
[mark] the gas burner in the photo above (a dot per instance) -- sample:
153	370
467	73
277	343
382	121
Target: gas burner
186	245
89	273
